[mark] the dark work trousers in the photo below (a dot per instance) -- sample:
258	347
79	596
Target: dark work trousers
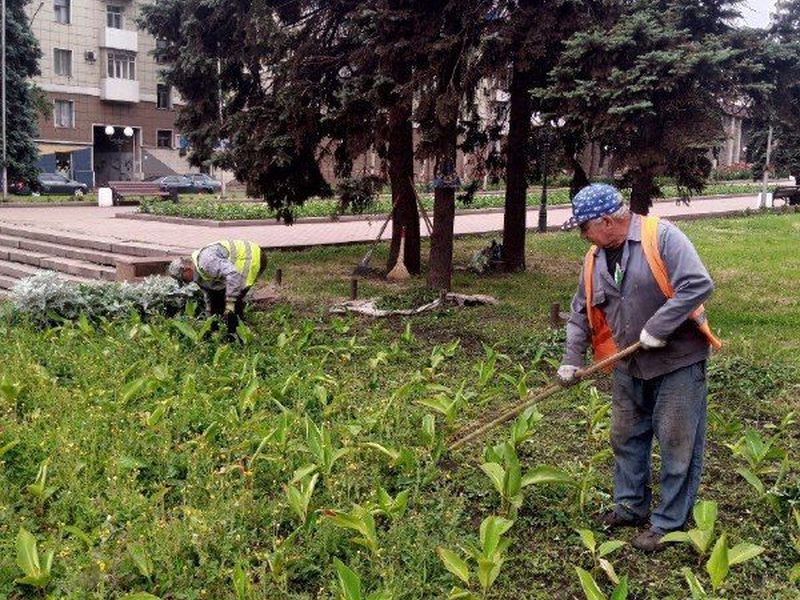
673	408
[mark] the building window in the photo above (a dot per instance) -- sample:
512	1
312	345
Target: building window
62	10
121	65
163	99
114	16
64	113
62	62
161	46
164	138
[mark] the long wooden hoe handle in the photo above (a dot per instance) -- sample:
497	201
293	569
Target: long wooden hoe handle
551	389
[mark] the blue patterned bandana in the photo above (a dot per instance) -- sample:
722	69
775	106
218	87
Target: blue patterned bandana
592	202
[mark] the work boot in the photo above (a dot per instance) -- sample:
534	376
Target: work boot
615	520
648	540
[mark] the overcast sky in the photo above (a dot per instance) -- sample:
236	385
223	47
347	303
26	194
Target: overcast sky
756	12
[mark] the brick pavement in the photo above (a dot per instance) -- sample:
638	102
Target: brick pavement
101	223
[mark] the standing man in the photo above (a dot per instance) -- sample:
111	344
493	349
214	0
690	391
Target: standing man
643	280
225	271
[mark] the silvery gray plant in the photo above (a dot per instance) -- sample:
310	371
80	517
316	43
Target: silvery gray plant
48	295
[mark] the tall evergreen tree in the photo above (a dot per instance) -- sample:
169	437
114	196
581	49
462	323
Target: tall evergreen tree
22	63
776	102
647	80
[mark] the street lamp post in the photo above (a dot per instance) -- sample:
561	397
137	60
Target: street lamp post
543	201
547	129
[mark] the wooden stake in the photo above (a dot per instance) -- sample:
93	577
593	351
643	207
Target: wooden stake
555	318
354	288
278	276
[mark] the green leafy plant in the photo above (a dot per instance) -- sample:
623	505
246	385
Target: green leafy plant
503	469
592	590
142	561
488	558
361	521
487	368
764	459
600	552
350	585
37	573
394	508
39	488
445	402
722	557
701	536
299	497
794	572
319	444
596	411
242	586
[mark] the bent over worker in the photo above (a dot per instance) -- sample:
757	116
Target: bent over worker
643	280
225	271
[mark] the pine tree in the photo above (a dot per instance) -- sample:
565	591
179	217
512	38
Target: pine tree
22	63
776	101
647	79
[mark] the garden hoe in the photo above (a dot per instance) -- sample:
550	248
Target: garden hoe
492	420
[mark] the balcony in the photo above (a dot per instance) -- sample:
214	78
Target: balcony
119	90
119	39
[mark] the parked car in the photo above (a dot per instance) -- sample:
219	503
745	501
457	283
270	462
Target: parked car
48	183
203	183
56	183
175	184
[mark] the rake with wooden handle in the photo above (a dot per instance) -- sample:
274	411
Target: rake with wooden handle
468	434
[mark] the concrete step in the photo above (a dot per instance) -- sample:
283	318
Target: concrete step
6	283
74	240
81	268
71	266
12	272
52	249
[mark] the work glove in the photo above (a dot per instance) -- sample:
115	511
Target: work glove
231	318
649	342
566	375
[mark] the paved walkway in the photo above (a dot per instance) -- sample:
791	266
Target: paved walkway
90	221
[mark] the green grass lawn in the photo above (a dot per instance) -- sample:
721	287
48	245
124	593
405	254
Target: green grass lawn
179	468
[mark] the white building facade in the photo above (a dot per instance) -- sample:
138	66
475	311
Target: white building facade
112	118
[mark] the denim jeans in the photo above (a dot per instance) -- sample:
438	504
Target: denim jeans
673	408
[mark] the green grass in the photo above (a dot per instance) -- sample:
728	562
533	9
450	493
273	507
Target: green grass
158	443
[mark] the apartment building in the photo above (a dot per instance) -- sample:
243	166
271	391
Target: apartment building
112	118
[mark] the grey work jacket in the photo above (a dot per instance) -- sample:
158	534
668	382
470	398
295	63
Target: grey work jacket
638	303
214	261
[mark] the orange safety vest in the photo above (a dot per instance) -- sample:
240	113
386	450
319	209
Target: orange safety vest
603	344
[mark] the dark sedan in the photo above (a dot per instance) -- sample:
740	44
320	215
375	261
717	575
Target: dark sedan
56	183
49	183
203	183
175	184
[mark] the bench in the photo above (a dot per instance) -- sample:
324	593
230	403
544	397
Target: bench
141	189
790	194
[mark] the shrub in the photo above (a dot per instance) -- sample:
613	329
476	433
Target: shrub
47	296
732	172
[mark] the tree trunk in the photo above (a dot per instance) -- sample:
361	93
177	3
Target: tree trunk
579	178
444	210
642	191
401	176
516	172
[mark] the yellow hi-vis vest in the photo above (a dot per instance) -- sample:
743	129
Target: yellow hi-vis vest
245	256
